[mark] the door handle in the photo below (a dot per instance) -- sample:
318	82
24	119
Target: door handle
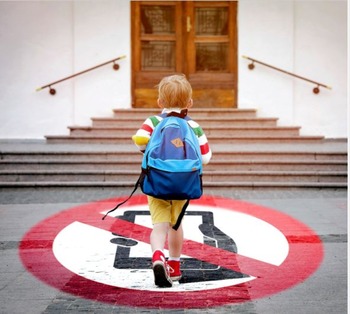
188	24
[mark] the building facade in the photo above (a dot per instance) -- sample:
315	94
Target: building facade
44	41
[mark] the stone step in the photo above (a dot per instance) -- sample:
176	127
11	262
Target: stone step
135	165
194	113
132	154
60	139
205	123
272	165
212	185
276	176
212	132
249	152
208	176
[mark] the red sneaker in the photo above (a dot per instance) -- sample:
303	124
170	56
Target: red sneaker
160	270
174	268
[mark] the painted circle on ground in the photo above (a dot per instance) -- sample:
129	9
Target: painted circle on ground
233	252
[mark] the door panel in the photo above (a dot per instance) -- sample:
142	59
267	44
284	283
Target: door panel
191	37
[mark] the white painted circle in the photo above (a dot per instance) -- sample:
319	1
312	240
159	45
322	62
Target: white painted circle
88	252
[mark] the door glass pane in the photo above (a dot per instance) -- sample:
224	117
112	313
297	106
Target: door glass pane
211	21
211	56
157	55
157	19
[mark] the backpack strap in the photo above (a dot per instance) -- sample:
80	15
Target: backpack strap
179	219
182	115
123	202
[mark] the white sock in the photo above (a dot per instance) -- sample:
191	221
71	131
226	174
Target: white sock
177	259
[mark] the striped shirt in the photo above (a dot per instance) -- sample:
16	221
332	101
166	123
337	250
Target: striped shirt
150	123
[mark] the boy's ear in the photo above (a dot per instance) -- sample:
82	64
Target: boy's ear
160	103
190	103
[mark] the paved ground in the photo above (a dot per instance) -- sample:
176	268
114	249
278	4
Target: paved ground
324	292
325	211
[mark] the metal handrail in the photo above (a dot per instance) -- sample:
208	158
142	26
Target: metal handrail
316	90
53	91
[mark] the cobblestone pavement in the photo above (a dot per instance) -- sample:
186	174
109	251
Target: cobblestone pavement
325	211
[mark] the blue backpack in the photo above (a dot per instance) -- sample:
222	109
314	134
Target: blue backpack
171	167
172	162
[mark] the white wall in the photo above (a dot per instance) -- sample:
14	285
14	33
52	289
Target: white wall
35	49
304	37
43	41
321	53
101	33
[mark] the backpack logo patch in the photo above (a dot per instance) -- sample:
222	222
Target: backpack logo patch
177	142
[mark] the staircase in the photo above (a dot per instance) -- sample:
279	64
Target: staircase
229	125
248	152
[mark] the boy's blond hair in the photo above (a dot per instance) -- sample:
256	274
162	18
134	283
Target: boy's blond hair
174	92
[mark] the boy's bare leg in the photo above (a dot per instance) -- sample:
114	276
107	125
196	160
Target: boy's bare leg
159	235
159	265
175	240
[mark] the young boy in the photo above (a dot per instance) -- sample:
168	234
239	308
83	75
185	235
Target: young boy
174	94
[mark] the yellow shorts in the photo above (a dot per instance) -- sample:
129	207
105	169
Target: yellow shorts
164	211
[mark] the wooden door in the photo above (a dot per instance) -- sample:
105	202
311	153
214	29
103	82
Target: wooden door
196	38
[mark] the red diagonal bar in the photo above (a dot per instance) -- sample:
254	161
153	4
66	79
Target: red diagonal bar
200	251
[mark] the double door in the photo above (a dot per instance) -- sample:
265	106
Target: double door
196	38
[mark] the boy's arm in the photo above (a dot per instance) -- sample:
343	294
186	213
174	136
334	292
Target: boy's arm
203	142
205	149
143	134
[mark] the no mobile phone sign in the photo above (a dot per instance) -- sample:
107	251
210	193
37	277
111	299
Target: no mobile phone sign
233	252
